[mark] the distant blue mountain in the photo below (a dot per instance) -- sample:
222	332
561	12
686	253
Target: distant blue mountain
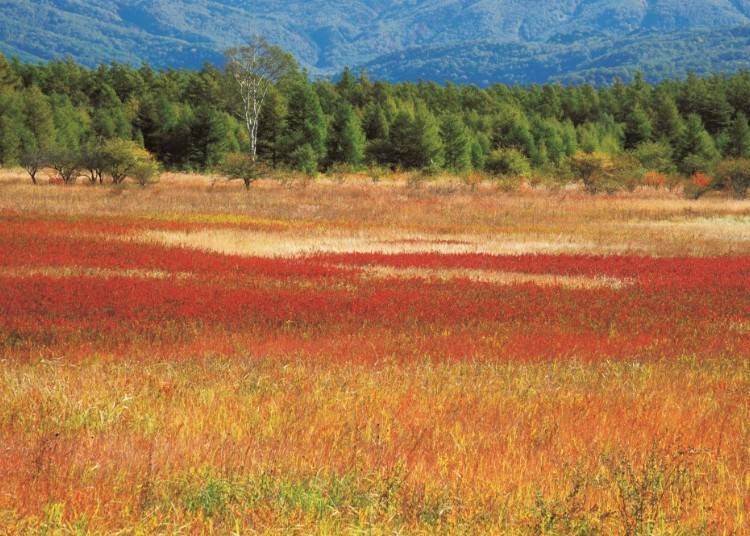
477	41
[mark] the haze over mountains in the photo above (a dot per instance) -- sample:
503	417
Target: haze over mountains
477	41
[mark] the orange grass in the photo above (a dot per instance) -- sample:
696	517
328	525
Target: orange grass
623	411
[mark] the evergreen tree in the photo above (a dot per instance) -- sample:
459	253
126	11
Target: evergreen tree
698	150
346	141
13	133
271	127
739	137
38	118
456	143
400	140
347	85
667	122
375	122
305	124
9	79
211	138
426	149
638	127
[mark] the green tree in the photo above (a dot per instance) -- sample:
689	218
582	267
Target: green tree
739	137
13	132
509	162
638	127
346	142
456	143
39	118
698	150
211	137
667	122
125	158
400	140
656	156
376	122
305	123
271	128
426	149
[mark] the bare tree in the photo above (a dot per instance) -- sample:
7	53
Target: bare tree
255	67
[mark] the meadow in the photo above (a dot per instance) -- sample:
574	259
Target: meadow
321	357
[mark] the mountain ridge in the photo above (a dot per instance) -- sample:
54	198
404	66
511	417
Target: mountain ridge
460	40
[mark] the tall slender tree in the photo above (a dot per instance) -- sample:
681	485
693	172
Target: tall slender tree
255	68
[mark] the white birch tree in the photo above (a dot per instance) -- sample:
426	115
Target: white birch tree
255	67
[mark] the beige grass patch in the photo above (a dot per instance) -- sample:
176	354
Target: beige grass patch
498	278
76	271
260	244
726	228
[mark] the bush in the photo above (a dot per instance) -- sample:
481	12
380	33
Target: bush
593	169
33	161
508	162
699	184
146	171
240	166
124	158
656	156
305	159
654	179
67	164
734	175
600	172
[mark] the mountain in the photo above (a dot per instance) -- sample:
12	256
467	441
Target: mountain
478	41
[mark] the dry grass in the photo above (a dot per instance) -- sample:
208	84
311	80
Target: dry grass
362	215
198	428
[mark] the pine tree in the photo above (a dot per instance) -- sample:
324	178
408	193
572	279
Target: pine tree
400	140
698	150
346	143
305	123
8	77
12	129
426	147
38	118
346	85
667	122
376	123
456	143
271	127
210	138
638	127
739	137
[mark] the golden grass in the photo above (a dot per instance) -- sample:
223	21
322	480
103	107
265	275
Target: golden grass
245	441
497	278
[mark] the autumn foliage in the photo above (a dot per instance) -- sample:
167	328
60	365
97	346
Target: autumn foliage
417	387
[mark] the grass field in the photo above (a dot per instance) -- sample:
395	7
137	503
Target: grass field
352	357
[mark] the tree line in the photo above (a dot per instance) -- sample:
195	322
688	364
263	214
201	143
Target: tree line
120	121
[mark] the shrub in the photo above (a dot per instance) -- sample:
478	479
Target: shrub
146	170
240	166
734	175
654	179
508	162
699	184
593	169
67	164
124	158
305	159
656	156
600	172
33	161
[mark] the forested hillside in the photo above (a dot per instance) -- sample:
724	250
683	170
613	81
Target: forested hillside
479	42
188	120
